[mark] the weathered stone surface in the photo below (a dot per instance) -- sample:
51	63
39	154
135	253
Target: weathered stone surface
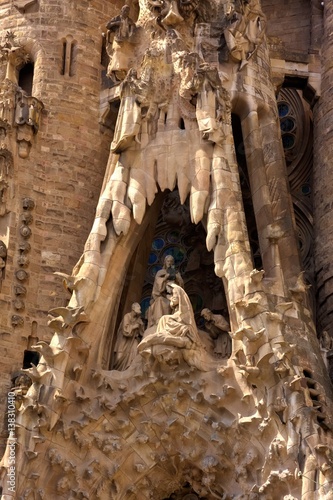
238	405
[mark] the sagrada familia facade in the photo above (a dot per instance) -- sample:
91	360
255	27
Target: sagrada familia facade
166	258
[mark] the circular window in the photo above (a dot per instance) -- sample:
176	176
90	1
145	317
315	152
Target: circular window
158	244
152	258
287	125
306	189
288	141
283	109
173	236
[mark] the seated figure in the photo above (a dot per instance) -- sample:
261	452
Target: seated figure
181	322
176	336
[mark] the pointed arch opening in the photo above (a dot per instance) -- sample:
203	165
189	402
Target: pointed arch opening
171	232
26	78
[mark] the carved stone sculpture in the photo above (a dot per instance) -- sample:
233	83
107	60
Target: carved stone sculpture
27	117
245	31
177	421
175	332
326	345
119	39
3	255
14	56
7	101
218	328
6	174
128	337
160	304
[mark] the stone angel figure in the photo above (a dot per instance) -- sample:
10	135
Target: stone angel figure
120	30
245	31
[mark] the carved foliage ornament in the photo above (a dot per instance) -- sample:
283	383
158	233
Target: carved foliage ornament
14	54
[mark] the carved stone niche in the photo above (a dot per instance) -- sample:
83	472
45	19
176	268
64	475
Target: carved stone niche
17	108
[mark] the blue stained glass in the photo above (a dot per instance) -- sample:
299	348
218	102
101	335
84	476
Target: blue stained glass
283	109
158	244
152	258
144	305
287	125
306	189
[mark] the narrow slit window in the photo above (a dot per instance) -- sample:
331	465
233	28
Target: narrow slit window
63	65
72	63
69	53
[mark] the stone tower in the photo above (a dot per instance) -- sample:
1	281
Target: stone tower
187	346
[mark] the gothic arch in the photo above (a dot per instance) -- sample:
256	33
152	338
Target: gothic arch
36	56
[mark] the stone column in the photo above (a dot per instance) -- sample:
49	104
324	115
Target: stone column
323	180
261	198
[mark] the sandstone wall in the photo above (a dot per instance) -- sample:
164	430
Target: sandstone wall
65	168
323	184
291	22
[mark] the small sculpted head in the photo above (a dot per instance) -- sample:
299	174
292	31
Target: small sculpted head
169	261
125	11
136	308
174	301
206	314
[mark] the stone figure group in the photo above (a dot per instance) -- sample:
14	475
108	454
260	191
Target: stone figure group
171	325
